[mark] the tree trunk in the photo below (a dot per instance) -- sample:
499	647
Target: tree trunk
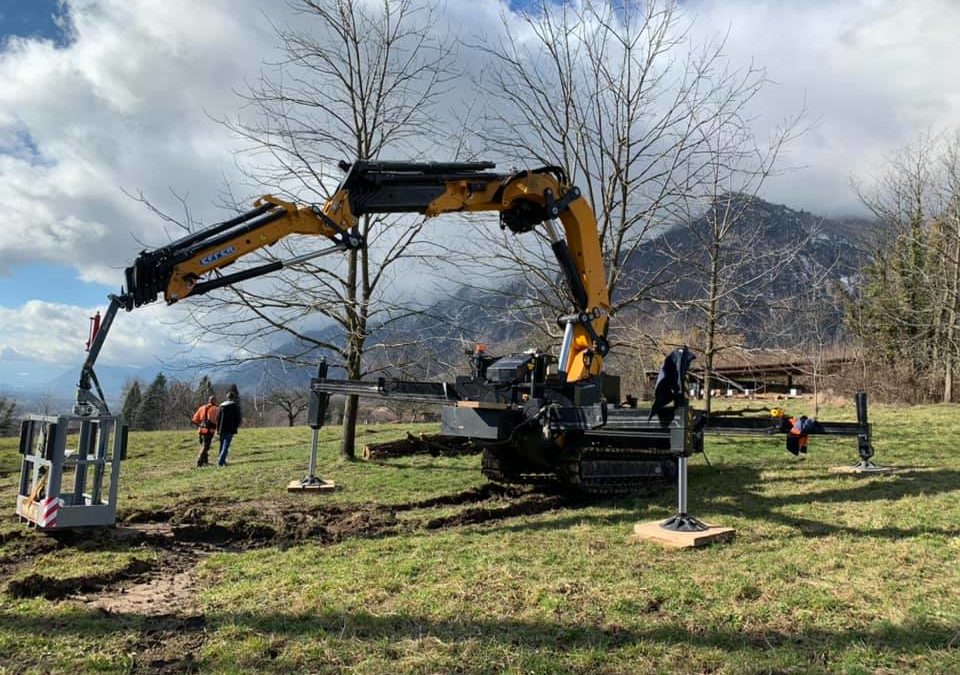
948	348
948	378
351	406
712	318
347	449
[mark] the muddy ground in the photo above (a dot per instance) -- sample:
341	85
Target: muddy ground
164	588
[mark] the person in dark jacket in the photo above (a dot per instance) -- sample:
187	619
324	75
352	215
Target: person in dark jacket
228	423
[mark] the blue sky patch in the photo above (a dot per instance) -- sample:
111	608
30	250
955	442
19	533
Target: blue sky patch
51	283
32	18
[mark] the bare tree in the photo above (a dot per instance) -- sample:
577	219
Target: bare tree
620	96
907	308
291	401
727	268
816	321
181	404
949	252
356	81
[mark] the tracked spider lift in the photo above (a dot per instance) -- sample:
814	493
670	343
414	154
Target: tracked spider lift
540	417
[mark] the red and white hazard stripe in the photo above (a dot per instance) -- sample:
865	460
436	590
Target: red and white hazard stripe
49	508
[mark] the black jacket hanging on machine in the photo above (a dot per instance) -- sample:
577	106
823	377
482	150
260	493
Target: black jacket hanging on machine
670	387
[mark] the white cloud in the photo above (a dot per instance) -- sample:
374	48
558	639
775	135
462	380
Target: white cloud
129	102
53	333
125	105
873	74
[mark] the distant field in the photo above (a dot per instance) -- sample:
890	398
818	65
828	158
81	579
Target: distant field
417	565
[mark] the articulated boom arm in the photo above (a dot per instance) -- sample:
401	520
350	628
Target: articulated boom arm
523	199
177	270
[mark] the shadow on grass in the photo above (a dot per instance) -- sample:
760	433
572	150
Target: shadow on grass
737	491
429	466
910	637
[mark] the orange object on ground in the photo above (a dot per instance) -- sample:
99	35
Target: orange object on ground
797	440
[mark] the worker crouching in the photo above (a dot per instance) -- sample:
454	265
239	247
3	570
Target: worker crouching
205	419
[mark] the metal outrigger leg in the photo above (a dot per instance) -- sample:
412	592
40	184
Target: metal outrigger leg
682	530
315	415
864	444
683	521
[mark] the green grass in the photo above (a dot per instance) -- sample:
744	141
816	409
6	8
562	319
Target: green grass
828	573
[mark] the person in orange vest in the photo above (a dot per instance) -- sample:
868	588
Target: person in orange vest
797	436
205	419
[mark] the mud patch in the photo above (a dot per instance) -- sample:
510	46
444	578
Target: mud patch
148	516
214	533
14	535
473	495
168	645
164	515
50	588
274	526
363	523
21	547
171	589
160	596
238	526
530	505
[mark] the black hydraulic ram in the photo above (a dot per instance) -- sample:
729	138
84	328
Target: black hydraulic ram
370	184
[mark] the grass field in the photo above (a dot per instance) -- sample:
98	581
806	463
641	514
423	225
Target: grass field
418	566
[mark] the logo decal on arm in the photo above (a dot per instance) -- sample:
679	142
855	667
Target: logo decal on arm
214	257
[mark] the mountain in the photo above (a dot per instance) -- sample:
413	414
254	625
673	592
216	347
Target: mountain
112	378
764	231
782	271
831	248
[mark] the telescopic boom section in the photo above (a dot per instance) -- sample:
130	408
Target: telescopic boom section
182	269
178	270
524	200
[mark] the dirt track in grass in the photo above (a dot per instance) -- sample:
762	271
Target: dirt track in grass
164	590
161	593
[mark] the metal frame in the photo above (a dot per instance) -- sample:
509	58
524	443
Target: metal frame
315	414
764	426
621	427
46	496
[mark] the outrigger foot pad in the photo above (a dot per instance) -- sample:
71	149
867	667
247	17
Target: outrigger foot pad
311	484
683	522
655	532
863	466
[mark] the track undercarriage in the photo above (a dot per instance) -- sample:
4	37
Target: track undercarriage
535	428
589	470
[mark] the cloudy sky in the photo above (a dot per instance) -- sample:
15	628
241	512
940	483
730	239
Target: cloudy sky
106	97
